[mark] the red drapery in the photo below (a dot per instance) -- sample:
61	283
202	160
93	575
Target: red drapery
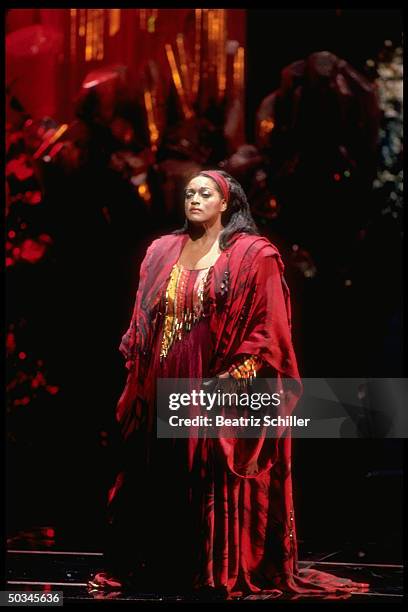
132	38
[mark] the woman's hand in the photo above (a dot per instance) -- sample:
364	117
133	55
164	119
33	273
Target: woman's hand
224	375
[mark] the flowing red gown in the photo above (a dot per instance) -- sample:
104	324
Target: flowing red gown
178	512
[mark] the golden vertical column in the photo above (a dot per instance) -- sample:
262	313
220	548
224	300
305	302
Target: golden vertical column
187	111
183	65
99	33
151	122
73	34
197	51
82	22
239	72
222	60
114	21
89	35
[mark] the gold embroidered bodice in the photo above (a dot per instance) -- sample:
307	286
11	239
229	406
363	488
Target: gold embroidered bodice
184	304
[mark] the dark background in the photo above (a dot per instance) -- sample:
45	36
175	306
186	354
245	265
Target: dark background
346	490
289	35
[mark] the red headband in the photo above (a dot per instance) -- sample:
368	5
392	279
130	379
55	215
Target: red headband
220	180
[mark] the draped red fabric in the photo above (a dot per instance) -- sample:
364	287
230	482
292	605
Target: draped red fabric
250	315
230	499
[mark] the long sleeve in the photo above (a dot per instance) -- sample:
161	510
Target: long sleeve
132	336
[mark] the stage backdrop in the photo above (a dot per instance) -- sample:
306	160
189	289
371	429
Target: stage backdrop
50	51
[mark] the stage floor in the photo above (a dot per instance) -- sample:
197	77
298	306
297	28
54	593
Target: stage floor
69	570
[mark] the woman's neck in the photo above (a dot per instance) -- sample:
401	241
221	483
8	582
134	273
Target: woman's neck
202	235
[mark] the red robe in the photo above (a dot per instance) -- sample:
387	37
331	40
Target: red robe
242	499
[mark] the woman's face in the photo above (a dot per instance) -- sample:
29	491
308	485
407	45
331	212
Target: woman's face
203	202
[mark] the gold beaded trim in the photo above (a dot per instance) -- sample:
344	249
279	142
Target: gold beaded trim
246	369
291	533
178	318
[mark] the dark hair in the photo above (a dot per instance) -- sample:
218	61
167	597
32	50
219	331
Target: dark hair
236	218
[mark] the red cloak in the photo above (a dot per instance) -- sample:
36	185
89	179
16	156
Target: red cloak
249	313
253	317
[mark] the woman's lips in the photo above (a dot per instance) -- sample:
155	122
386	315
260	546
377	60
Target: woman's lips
193	210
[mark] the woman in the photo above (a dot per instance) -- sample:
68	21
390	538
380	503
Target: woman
210	515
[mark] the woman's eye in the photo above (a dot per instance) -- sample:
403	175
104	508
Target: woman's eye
190	194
